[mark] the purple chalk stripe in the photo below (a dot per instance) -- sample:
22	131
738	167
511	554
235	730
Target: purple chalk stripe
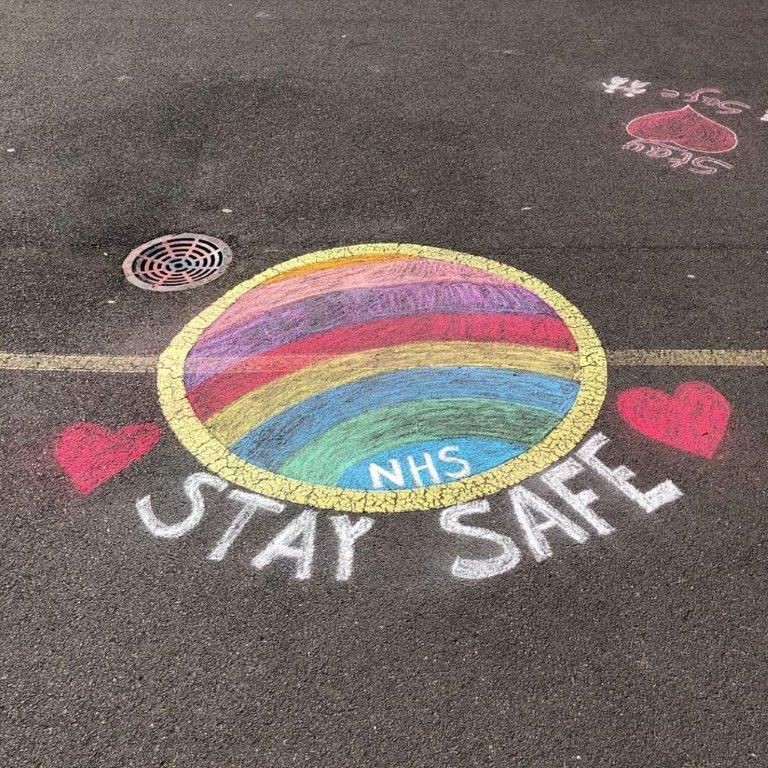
338	308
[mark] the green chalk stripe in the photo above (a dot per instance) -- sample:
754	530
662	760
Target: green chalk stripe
324	459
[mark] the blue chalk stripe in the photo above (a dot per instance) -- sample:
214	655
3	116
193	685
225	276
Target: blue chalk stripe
269	444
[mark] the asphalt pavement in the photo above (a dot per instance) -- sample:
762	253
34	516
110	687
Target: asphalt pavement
489	128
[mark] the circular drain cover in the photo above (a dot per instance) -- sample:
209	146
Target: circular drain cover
177	262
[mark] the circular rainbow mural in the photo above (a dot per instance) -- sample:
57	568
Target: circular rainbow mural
383	378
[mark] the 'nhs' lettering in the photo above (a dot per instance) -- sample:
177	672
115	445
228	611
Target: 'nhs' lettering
418	471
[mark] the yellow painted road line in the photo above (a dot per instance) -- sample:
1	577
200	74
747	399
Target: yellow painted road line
738	358
91	363
695	357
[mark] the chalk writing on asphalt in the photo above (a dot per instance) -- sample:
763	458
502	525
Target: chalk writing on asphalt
532	520
683	138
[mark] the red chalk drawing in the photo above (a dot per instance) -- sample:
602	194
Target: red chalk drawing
676	135
684	128
693	419
91	454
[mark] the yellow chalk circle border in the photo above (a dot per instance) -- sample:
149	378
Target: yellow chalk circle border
220	460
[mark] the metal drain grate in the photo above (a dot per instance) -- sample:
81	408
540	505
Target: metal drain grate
177	262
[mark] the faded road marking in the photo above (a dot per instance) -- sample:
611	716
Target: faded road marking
683	357
702	358
92	363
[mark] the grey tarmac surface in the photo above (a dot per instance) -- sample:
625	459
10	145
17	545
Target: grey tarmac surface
481	127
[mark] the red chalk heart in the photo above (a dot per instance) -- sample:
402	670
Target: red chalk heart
693	419
684	128
92	454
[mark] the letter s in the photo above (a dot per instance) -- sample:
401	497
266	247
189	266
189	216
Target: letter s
478	569
444	454
192	486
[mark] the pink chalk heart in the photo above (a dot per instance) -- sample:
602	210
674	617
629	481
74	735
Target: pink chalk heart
693	419
91	454
684	128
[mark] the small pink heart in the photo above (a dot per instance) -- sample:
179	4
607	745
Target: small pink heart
91	454
693	419
684	128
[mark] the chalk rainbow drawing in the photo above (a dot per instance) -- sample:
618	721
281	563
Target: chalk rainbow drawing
383	378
